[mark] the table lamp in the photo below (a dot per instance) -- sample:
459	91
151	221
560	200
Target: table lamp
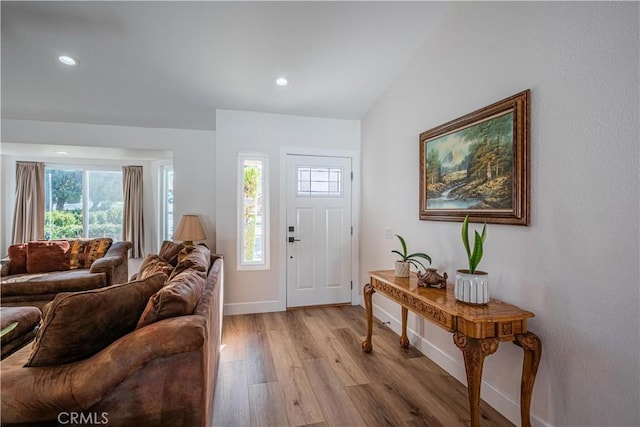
189	229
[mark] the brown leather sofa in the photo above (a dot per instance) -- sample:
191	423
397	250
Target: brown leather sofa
37	289
161	374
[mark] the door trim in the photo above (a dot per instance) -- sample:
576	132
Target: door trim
356	293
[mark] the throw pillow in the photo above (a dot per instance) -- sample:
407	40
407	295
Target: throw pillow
169	251
197	257
177	298
153	264
18	258
97	249
47	255
79	324
78	252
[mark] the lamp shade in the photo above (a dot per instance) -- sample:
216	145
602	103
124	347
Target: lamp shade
189	229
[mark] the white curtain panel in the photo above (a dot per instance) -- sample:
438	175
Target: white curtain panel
28	214
132	220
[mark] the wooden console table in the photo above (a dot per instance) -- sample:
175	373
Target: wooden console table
477	330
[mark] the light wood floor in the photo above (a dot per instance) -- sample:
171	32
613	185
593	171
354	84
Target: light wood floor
306	368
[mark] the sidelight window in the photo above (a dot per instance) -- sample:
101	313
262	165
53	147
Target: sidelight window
253	208
166	202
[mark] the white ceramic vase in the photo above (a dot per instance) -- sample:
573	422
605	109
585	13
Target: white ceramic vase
402	269
472	288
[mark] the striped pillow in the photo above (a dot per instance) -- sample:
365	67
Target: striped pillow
97	248
85	251
78	255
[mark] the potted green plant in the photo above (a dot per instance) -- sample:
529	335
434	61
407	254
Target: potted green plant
472	285
403	265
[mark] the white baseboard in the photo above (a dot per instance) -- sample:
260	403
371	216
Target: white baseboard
252	307
494	397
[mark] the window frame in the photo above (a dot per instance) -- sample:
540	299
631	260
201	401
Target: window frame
265	263
163	170
314	193
84	169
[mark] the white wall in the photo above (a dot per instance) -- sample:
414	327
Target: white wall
193	162
577	265
238	131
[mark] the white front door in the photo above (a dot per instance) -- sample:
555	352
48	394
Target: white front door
318	230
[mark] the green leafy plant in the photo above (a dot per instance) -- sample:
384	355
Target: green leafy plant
411	258
475	256
8	329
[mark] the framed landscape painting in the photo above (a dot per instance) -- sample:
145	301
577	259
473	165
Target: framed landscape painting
478	165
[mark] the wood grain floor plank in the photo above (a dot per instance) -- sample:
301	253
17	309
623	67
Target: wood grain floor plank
267	405
268	380
334	317
233	339
386	367
345	367
232	395
444	384
418	387
300	403
254	323
383	331
273	321
346	317
306	346
260	365
337	408
375	406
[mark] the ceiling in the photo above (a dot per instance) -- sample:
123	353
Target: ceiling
172	64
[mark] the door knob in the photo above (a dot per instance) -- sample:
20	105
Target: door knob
293	239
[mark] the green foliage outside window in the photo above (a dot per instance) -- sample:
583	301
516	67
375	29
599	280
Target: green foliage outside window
68	224
64	200
63	224
66	187
251	176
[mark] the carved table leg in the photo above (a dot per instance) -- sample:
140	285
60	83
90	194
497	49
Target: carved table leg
368	306
532	347
474	352
404	341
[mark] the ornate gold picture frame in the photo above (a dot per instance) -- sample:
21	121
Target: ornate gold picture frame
478	165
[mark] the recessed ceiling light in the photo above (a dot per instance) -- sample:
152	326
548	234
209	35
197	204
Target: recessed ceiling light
62	152
281	81
67	60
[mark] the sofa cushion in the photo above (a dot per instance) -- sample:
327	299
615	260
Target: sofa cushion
18	258
177	298
80	324
53	282
152	264
47	255
197	257
26	317
169	251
